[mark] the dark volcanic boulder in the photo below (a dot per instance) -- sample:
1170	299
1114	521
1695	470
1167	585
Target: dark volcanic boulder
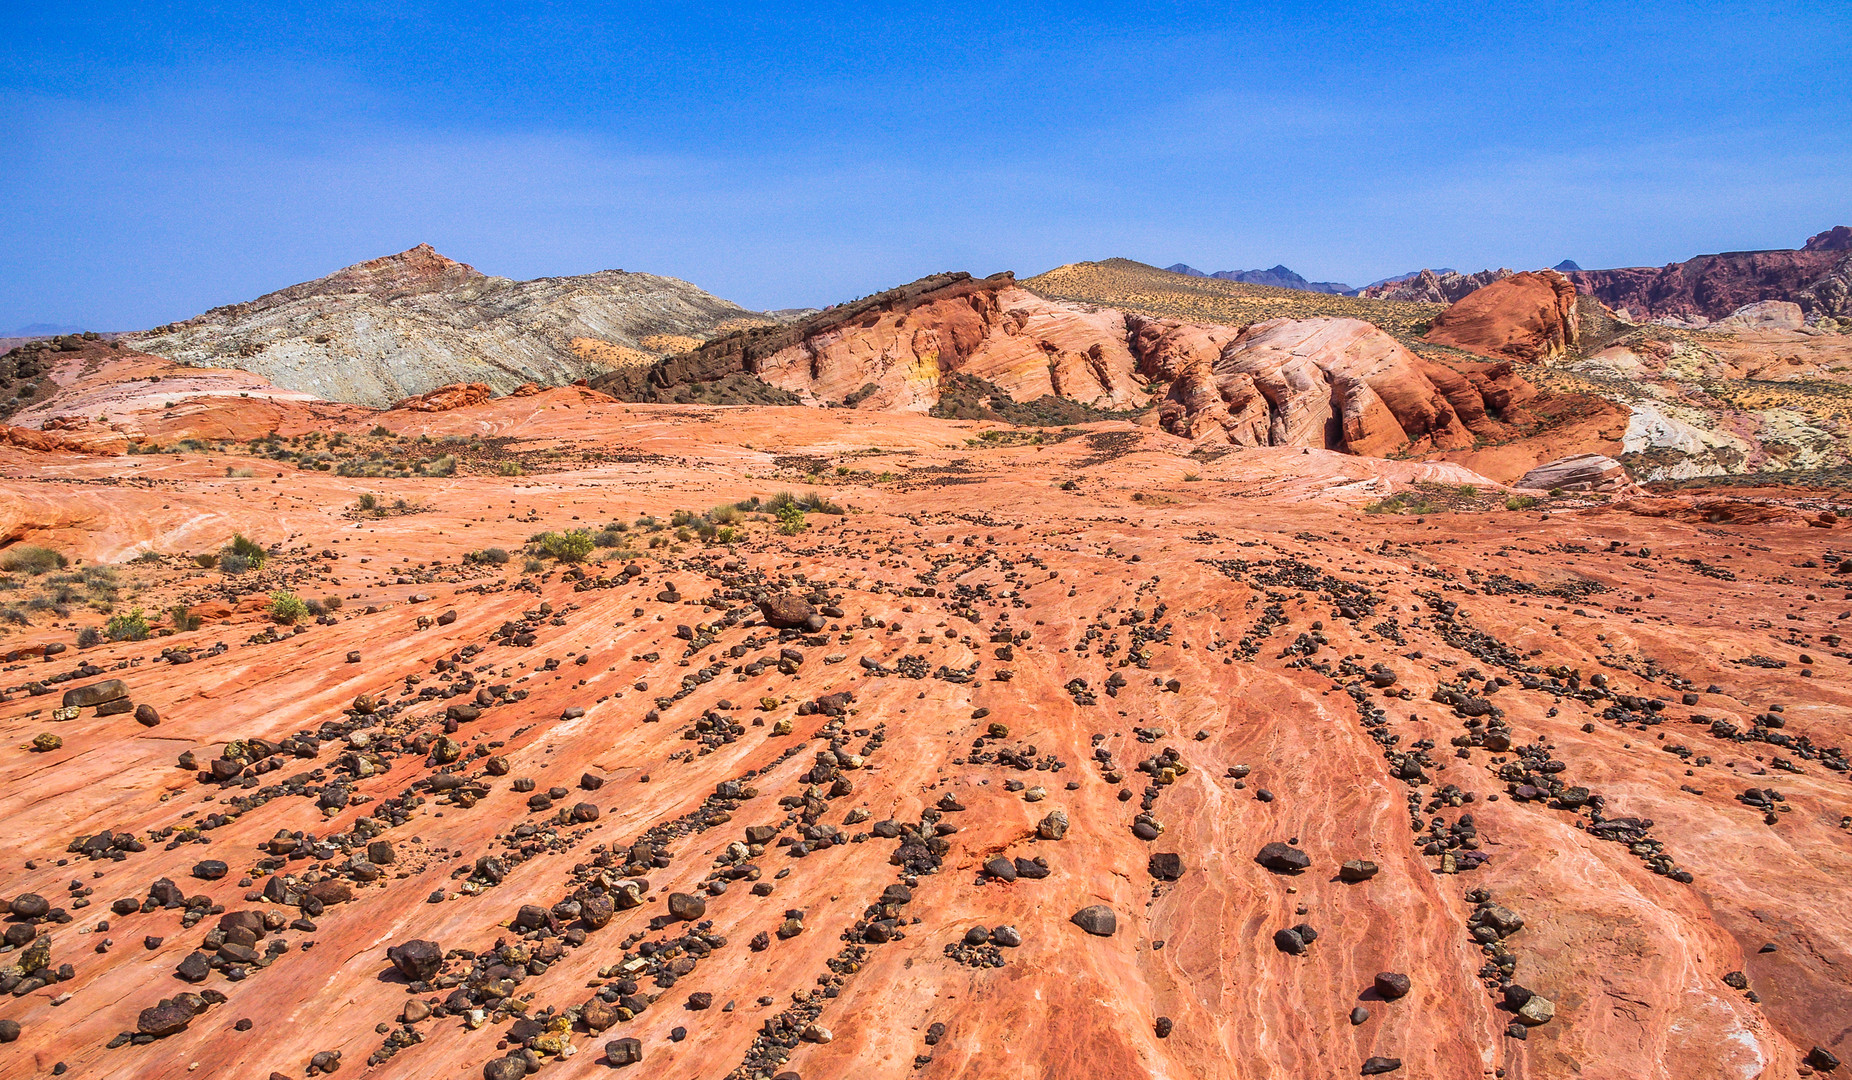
1283	858
417	960
1097	920
96	693
170	1017
786	611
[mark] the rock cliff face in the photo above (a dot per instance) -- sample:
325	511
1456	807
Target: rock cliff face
1712	286
403	325
1528	317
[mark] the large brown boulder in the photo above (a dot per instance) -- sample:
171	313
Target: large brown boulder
1529	316
786	611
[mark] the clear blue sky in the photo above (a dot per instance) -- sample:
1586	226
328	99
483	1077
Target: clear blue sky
160	159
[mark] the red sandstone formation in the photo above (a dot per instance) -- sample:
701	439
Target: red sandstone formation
445	398
1529	317
1715	285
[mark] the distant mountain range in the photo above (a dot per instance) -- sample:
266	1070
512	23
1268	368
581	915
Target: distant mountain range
1282	278
43	329
1279	277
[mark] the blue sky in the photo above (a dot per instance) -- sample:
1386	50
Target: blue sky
161	159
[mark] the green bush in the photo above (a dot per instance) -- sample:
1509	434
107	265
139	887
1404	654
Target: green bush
182	618
88	637
244	548
1520	502
31	559
493	556
368	501
130	627
571	546
533	566
286	607
234	564
791	519
509	468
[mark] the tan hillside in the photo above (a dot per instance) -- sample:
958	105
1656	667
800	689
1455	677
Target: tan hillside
1134	286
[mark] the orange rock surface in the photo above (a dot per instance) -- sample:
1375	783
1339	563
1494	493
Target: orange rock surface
1205	652
1529	316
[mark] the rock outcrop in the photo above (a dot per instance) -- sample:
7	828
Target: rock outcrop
403	325
455	396
1581	472
892	351
1338	384
1527	317
1434	287
1712	286
1766	315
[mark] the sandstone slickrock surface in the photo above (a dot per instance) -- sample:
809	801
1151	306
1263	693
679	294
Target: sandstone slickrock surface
1106	659
402	325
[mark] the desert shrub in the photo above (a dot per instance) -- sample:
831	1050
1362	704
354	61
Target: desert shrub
1192	477
571	546
234	564
130	627
1404	503
286	607
1468	491
379	432
31	559
89	637
726	534
182	618
493	556
510	468
315	607
14	614
725	514
332	603
244	548
207	561
608	538
368	501
1520	502
532	566
791	519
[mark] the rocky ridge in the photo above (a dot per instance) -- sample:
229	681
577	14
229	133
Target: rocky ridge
403	325
1713	286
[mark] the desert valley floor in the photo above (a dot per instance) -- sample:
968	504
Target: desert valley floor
1085	751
